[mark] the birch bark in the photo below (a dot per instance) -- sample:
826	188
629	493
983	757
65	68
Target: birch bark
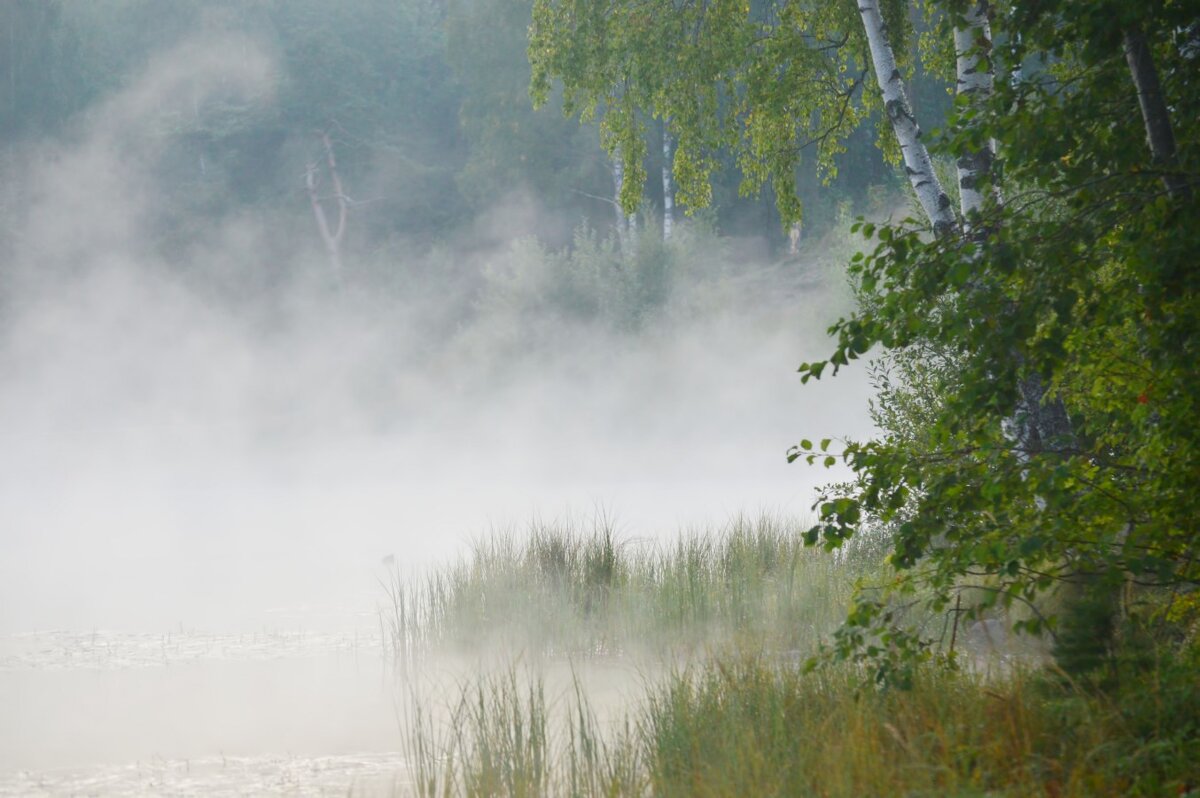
618	172
668	221
976	80
1041	421
917	163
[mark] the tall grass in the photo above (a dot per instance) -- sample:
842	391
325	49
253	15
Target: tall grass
495	742
563	589
502	737
735	714
753	726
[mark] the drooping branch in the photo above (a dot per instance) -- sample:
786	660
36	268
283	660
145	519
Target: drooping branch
1155	116
626	223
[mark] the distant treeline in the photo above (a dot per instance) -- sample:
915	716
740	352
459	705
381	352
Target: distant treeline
426	103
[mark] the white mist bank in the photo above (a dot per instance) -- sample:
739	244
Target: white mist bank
123	510
217	438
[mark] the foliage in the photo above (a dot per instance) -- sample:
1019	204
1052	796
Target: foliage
512	147
1085	284
373	73
764	81
426	102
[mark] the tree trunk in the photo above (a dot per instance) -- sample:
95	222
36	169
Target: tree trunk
332	238
1039	422
668	220
917	163
975	79
1155	115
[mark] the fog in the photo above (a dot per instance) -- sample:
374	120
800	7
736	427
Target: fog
221	437
210	444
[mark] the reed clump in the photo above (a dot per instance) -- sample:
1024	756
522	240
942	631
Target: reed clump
570	590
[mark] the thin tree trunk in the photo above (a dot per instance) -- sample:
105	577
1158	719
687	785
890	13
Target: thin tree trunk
917	163
1155	115
976	78
332	238
668	221
1041	421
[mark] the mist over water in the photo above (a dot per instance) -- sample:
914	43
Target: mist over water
218	436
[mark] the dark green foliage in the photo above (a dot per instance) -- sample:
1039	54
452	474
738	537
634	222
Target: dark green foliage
1085	634
427	105
513	149
374	74
1084	284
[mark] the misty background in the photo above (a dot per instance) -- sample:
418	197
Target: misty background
202	424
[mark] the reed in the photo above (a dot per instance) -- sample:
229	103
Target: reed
566	590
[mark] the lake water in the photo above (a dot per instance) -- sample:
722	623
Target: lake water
190	712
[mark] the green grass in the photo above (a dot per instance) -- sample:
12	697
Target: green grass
571	591
754	727
731	712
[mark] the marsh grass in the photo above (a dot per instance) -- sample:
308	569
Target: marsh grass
494	743
731	711
568	590
754	726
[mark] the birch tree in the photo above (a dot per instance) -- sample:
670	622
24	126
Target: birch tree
917	163
1079	286
625	222
975	80
331	235
767	83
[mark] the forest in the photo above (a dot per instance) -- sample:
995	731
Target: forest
667	397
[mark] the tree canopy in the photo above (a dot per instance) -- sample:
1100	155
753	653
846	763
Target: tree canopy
766	81
1065	286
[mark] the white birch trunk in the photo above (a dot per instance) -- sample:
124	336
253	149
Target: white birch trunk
976	79
331	237
668	221
917	163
